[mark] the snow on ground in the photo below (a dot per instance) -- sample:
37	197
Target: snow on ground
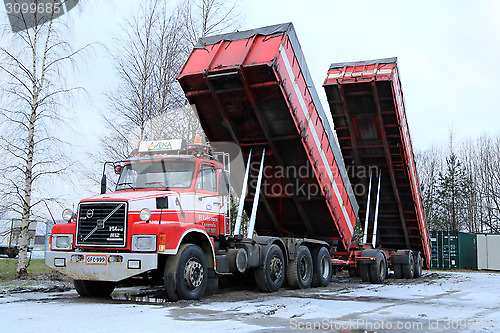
438	302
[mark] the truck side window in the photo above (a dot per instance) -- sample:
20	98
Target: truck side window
207	179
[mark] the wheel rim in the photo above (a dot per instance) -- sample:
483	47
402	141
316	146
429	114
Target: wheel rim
193	273
381	269
325	267
304	268
276	268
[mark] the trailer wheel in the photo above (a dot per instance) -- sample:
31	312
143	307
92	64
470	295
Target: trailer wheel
270	276
408	269
322	267
398	271
354	272
86	288
299	271
378	270
419	263
186	274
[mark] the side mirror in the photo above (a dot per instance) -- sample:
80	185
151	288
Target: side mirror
118	169
103	184
223	183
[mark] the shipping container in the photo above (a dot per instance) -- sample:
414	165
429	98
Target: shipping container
453	250
488	248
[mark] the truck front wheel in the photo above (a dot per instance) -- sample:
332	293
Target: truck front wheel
88	288
300	270
186	274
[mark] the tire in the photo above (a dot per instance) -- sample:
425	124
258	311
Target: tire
378	270
419	263
398	271
408	268
86	288
354	272
12	253
322	267
299	272
270	276
186	274
364	272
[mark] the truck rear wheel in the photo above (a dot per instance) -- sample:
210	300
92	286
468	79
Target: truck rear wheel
299	271
408	269
186	274
270	276
419	263
322	267
88	288
378	270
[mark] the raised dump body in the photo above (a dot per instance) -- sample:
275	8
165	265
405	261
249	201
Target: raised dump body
366	103
253	88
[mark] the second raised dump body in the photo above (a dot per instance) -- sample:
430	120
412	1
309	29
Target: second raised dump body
367	106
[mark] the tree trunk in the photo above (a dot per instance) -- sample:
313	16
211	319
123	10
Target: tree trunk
22	263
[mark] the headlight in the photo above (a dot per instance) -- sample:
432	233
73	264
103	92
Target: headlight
62	242
67	214
144	243
145	214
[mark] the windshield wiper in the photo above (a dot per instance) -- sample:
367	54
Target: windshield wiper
158	182
129	185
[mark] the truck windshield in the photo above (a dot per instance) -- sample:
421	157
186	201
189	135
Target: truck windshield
156	174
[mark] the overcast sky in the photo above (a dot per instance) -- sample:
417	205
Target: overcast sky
447	52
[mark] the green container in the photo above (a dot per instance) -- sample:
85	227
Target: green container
453	250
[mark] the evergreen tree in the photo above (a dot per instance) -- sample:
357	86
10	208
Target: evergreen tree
453	190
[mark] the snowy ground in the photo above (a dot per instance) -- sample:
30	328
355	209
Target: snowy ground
438	302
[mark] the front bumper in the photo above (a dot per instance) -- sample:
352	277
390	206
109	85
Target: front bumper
100	270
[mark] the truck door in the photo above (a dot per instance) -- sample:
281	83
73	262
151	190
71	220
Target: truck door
207	201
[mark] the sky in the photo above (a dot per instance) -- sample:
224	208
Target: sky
447	52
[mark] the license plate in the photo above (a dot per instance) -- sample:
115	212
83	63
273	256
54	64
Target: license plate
95	259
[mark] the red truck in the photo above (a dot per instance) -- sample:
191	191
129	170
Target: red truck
168	219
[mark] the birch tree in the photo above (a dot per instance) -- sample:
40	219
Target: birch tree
210	17
32	69
429	166
148	102
149	58
481	158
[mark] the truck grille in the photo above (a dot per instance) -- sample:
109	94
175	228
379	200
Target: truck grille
102	224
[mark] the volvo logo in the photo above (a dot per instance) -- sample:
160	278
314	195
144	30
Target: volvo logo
89	213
